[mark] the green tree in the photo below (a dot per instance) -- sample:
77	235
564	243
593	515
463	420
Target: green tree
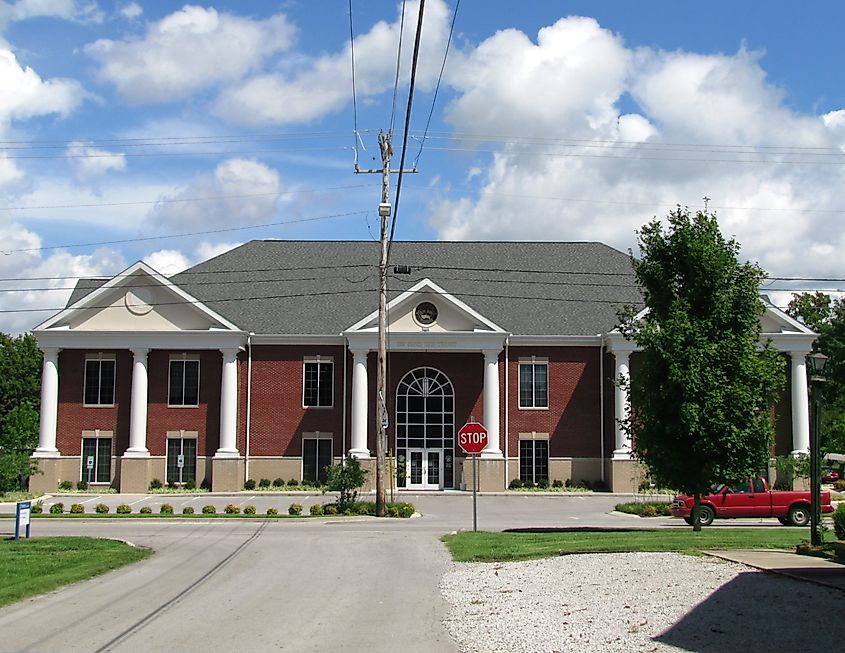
346	478
20	394
703	389
813	309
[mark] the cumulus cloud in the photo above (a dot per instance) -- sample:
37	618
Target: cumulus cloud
190	50
42	282
24	94
167	261
131	10
82	11
206	250
239	191
568	164
90	162
315	88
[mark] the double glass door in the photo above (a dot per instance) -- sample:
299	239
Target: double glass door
424	469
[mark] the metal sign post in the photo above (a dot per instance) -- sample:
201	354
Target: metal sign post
474	492
472	438
22	518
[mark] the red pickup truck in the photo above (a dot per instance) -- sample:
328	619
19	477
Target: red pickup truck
751	500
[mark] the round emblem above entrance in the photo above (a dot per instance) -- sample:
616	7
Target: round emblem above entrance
426	313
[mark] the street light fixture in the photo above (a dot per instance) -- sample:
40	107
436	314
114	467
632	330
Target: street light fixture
817	379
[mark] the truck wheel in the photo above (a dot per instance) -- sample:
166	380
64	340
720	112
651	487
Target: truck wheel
706	515
799	515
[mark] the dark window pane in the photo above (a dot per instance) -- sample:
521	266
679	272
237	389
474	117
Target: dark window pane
106	382
192	383
526	385
173	451
526	460
92	382
324	458
309	460
189	451
541	461
89	448
541	386
325	390
176	395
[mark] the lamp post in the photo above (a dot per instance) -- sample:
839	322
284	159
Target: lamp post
817	361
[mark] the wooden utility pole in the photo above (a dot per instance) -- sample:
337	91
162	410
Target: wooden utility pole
382	418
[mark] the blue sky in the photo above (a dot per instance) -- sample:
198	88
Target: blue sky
141	121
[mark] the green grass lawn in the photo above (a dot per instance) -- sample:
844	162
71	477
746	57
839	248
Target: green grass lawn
39	565
496	547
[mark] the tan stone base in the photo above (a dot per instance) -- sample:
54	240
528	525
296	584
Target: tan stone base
134	475
227	474
370	465
491	475
624	476
46	479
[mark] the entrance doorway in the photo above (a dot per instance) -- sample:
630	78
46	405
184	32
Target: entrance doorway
425	430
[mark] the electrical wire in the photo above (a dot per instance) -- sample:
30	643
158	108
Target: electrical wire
398	67
354	98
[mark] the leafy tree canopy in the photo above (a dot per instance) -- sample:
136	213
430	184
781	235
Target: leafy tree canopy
702	389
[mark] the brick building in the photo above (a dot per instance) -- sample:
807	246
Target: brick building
260	363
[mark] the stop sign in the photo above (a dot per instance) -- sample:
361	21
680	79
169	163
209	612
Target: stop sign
472	437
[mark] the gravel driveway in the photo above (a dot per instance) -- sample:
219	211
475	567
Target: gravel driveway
636	602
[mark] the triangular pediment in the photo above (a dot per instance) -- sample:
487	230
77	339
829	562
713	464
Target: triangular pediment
428	308
777	321
138	299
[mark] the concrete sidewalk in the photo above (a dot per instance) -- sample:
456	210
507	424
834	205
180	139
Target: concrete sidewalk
793	565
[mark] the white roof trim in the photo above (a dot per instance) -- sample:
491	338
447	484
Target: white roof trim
92	297
428	284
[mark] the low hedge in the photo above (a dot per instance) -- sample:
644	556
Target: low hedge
839	522
646	508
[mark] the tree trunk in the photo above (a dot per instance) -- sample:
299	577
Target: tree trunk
696	510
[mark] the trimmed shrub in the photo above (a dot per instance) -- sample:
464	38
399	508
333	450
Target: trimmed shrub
249	510
101	509
146	510
249	485
330	509
839	522
190	484
82	485
293	483
187	510
557	483
209	510
37	508
295	509
272	512
278	482
65	486
364	508
264	483
305	483
543	483
155	484
400	509
515	484
166	509
77	509
57	508
646	508
839	485
316	510
123	509
232	509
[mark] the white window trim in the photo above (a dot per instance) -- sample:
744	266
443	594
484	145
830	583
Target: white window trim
99	356
533	360
315	435
317	359
184	357
96	434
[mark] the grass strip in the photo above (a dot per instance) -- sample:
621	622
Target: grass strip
39	565
500	547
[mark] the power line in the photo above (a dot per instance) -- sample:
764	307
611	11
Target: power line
437	86
398	66
354	97
117	155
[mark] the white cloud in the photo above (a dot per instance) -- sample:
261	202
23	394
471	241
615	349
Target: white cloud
82	11
322	85
90	162
9	172
46	278
24	94
131	10
239	191
206	250
190	50
167	261
590	172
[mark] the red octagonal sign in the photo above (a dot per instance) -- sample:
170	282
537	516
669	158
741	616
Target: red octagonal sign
472	437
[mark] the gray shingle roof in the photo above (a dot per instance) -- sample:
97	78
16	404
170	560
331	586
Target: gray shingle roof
323	287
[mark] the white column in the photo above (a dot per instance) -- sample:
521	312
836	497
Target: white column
623	404
229	405
491	404
360	401
138	408
800	410
49	404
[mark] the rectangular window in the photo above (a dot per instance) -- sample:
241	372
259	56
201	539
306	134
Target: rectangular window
316	456
96	460
99	380
181	460
534	460
318	383
184	388
533	383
